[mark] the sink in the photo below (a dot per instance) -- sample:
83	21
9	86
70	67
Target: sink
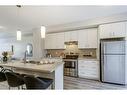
32	62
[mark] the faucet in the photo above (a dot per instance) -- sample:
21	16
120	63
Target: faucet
1	60
25	56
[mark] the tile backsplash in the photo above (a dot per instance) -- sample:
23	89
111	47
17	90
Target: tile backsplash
73	49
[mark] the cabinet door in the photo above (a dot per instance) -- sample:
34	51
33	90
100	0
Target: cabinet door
73	36
82	38
92	38
59	41
118	29
67	36
53	41
113	30
48	41
88	69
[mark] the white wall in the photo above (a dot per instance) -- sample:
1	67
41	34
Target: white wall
19	46
90	23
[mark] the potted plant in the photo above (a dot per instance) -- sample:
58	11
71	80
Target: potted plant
5	54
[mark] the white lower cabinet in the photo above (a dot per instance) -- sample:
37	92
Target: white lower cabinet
88	69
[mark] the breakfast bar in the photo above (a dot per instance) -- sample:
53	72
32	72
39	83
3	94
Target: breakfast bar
54	71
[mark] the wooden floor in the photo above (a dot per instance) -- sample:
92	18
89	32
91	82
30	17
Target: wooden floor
81	83
71	83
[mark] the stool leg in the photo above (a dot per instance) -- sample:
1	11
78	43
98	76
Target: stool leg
18	87
9	88
22	87
52	86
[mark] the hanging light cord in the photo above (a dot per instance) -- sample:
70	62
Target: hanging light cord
18	16
18	23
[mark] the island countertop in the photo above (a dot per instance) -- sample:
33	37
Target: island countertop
46	68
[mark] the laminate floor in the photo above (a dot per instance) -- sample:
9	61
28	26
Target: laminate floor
86	84
71	83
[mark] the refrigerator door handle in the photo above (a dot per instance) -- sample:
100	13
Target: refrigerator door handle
102	48
101	61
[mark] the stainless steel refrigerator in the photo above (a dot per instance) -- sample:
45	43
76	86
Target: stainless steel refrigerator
113	61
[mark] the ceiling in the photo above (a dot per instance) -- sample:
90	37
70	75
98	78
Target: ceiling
34	16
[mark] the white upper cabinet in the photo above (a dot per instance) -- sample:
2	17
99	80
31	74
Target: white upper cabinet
113	30
92	38
47	41
87	38
82	38
74	36
54	41
59	41
71	36
67	36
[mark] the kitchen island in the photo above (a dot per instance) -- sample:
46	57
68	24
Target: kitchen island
52	70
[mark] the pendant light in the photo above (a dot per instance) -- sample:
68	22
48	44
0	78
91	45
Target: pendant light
19	33
43	31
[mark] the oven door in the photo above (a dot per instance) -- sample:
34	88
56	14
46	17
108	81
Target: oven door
71	68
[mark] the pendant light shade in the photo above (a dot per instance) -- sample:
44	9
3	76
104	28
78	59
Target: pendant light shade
43	31
19	35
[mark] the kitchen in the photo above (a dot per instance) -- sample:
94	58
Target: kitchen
75	55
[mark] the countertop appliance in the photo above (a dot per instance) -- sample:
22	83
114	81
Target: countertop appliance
113	61
71	65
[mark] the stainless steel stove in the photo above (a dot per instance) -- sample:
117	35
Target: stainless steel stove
71	65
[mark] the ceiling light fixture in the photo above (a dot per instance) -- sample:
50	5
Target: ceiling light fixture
19	33
43	31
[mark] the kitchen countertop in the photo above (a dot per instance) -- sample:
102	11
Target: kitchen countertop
47	68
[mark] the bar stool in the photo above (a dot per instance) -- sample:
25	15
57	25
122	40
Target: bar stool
32	82
14	79
2	74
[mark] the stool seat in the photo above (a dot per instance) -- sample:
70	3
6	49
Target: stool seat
2	77
32	82
47	80
14	79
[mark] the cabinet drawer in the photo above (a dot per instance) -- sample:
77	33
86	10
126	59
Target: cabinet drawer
89	70
96	70
85	66
88	74
88	65
87	62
